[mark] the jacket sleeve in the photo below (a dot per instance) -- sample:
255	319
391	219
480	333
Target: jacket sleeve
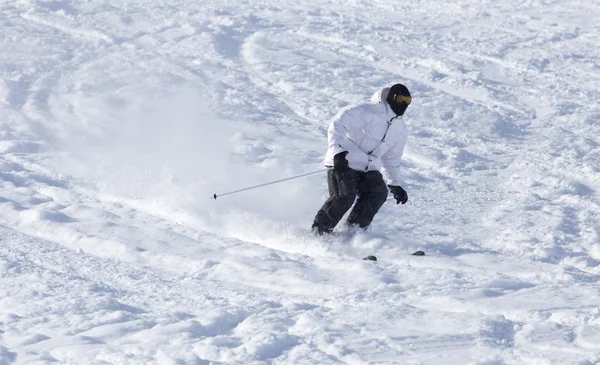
345	121
391	161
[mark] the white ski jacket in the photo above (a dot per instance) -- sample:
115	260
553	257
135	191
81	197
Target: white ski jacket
373	136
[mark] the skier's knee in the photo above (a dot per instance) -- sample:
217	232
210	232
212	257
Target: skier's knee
380	197
346	200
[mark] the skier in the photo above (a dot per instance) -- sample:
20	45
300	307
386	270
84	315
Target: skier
363	140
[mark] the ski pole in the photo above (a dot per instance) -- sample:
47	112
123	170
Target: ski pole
215	196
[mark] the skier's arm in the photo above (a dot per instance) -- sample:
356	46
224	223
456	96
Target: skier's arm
391	161
343	122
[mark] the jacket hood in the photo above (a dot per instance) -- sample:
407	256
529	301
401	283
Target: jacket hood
380	95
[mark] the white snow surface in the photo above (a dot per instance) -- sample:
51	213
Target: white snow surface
119	119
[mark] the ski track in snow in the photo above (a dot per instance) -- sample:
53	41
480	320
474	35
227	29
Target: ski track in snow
119	119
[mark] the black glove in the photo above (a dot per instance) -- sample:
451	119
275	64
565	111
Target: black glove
340	164
399	194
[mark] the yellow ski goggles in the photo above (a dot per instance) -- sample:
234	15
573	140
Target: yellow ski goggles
403	99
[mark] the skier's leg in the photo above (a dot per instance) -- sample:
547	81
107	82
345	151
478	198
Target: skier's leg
342	192
372	193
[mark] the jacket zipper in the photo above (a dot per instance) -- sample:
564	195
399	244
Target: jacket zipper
389	124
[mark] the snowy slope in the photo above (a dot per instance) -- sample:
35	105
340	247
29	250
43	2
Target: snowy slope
119	119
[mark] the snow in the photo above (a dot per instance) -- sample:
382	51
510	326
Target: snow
119	120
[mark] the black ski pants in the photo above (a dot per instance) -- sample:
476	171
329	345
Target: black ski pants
369	187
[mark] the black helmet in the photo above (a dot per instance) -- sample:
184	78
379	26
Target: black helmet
399	98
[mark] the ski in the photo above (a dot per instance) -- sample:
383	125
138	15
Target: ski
374	258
